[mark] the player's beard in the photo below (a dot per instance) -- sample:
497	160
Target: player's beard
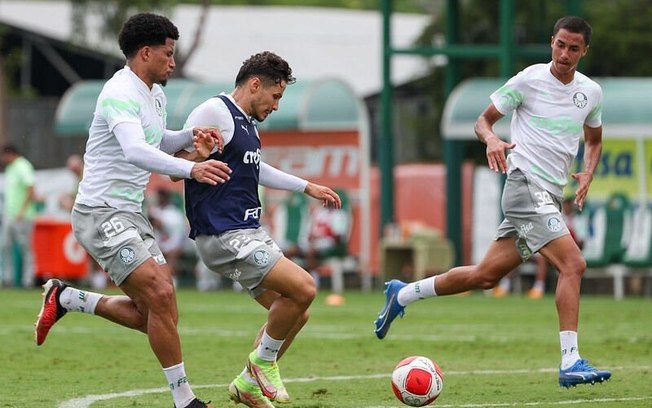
259	117
163	80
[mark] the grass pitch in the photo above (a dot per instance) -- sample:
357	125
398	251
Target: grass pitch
493	352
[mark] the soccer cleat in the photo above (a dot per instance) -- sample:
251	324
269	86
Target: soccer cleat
535	294
499	292
391	309
268	378
242	391
582	373
197	403
51	310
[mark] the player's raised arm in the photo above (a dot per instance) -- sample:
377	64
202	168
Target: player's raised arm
496	157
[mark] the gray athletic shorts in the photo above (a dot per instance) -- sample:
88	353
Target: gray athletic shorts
118	240
532	215
244	255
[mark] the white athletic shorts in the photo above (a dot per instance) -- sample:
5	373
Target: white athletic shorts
118	240
244	255
532	215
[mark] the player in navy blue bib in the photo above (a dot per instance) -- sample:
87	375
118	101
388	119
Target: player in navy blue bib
225	223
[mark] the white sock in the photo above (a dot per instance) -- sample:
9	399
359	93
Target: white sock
418	290
570	352
75	300
505	283
179	385
539	285
268	347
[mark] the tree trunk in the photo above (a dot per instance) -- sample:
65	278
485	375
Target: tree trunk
183	57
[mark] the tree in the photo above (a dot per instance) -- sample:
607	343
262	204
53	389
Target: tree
621	39
613	43
113	13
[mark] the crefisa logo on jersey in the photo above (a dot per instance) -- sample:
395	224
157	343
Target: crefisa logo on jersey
261	257
554	224
580	100
158	105
127	255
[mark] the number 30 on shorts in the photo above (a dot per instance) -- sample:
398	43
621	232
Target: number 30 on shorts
543	198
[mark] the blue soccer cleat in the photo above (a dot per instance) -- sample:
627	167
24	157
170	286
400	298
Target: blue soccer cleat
391	308
582	373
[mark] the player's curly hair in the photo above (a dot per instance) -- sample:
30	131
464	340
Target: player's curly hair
575	25
268	66
145	29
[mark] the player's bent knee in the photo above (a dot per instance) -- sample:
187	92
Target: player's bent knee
161	298
483	281
576	266
307	294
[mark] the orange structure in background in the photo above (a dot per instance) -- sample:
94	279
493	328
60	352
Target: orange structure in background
56	251
420	191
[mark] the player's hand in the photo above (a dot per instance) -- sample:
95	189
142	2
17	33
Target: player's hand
203	143
496	157
214	133
328	197
584	180
211	172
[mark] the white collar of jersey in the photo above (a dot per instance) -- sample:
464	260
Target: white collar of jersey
554	78
139	83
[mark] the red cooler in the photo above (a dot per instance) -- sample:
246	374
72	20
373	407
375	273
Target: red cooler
57	254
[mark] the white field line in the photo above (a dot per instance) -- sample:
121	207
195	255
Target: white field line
85	402
310	333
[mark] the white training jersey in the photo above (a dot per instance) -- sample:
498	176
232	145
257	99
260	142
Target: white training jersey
109	178
547	122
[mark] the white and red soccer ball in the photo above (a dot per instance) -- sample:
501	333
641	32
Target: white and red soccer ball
417	381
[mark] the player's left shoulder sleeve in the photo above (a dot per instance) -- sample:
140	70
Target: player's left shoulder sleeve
212	113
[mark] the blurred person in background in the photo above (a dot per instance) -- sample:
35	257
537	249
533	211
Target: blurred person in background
170	229
328	231
128	140
225	223
17	218
74	164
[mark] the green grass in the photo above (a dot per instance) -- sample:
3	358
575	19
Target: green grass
493	352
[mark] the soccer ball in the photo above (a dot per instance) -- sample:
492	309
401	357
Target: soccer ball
417	381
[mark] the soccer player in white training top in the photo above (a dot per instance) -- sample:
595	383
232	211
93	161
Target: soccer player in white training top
127	141
553	106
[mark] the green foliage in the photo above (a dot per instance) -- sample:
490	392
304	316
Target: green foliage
494	352
406	6
112	14
621	39
613	40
